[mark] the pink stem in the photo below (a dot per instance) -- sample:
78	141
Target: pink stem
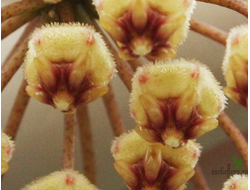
199	179
10	25
113	112
240	6
16	56
209	31
69	141
20	7
17	112
86	142
236	136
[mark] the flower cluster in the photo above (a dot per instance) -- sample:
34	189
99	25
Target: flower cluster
146	27
7	147
235	65
66	65
236	182
62	180
146	166
174	101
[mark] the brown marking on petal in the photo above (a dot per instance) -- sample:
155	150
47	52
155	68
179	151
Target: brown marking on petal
196	73
38	42
148	31
165	173
70	180
9	150
169	109
235	40
143	78
233	186
90	39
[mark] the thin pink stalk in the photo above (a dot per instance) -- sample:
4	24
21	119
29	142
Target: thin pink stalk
25	35
86	142
135	64
17	112
113	112
66	12
240	6
235	134
124	70
199	179
16	57
209	31
69	141
20	7
14	23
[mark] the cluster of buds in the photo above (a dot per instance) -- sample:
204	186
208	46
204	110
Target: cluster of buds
7	147
174	101
235	65
236	182
66	65
62	180
153	166
148	28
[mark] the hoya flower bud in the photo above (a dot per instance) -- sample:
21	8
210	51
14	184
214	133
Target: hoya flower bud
150	28
62	180
153	166
67	64
7	147
235	65
174	101
236	182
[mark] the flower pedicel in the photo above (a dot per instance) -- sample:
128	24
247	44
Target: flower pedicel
7	147
67	64
153	166
173	101
148	28
62	180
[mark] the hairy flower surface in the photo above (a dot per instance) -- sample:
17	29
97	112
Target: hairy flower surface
173	101
7	147
62	180
153	166
236	182
235	65
148	28
67	64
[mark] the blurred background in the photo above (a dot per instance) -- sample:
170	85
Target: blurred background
40	138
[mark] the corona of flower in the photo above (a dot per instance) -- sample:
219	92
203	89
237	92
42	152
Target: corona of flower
62	180
235	65
7	147
174	101
66	65
153	166
150	28
236	182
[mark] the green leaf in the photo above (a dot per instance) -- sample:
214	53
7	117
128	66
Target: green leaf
235	159
240	161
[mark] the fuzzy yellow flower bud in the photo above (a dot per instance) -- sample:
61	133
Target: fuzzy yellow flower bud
150	28
173	101
236	182
7	147
67	64
235	65
153	166
62	180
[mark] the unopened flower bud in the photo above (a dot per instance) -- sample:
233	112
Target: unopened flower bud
150	28
62	180
153	166
174	101
235	65
7	147
66	65
236	182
